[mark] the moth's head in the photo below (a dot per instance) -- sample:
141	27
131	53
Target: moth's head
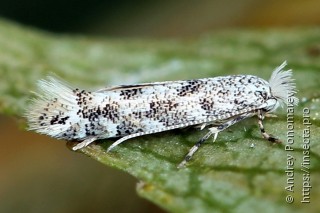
283	88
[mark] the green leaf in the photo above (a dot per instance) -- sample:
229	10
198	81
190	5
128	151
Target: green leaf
240	171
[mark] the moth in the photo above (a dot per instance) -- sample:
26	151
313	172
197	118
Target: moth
129	111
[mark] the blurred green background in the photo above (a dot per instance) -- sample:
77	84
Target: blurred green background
158	18
41	176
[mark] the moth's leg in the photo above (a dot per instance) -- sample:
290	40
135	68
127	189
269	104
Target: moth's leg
196	147
139	134
270	115
201	126
124	139
90	140
84	143
212	131
133	135
262	130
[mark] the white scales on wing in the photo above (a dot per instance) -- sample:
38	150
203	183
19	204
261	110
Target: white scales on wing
129	111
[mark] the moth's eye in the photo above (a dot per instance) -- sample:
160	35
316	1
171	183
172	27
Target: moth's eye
263	94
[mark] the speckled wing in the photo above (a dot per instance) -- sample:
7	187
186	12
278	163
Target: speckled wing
161	105
129	111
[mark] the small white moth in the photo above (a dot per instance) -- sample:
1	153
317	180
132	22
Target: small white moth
129	111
